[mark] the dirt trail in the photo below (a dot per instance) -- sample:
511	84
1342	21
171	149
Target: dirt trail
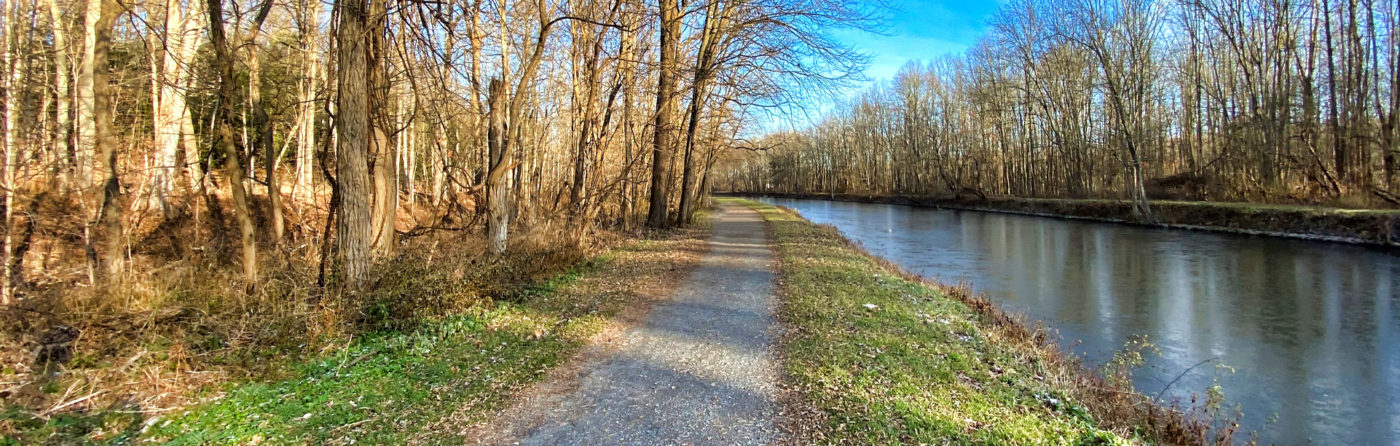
698	369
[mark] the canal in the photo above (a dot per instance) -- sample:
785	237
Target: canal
1303	336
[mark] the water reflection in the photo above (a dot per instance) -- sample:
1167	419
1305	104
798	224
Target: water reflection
1309	328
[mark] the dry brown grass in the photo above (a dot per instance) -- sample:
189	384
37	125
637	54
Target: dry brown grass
182	320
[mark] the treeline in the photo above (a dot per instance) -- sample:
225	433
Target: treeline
325	132
1286	101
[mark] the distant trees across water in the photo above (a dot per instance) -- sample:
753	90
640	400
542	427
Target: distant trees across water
1287	101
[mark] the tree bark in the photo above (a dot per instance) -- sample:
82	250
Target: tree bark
711	36
63	73
171	66
223	61
663	139
85	96
14	84
353	138
109	214
497	188
383	169
308	13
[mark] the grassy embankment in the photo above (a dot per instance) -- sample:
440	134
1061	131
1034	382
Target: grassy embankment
415	378
1365	226
877	356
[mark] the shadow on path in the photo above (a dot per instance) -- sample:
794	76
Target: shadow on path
698	369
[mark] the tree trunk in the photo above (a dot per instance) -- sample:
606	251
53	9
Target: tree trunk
63	73
169	75
704	68
509	124
109	214
628	67
223	61
14	84
353	135
663	139
587	49
1339	148
384	171
309	19
194	162
497	186
262	125
86	101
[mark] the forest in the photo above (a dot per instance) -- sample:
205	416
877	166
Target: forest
405	221
1264	101
263	122
229	182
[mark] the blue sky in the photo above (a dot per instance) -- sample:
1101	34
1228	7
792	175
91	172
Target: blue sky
922	30
914	30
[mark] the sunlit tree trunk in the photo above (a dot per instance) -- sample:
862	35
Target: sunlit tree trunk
308	16
223	61
109	214
627	68
508	118
384	172
663	140
710	38
353	135
14	85
63	73
497	190
85	96
175	51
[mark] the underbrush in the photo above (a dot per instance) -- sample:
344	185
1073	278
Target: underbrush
884	357
85	364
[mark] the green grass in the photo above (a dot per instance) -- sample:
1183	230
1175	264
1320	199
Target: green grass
388	387
890	360
425	383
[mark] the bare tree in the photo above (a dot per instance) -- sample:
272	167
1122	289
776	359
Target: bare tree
223	59
171	72
663	139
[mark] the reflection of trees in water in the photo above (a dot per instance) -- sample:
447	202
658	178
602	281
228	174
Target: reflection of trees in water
1308	327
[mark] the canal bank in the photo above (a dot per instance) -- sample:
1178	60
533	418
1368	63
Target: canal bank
1356	226
1298	334
875	355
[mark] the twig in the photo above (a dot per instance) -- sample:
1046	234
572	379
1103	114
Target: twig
347	426
1385	195
130	362
1178	377
70	403
356	361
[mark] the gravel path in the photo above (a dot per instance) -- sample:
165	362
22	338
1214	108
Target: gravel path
699	369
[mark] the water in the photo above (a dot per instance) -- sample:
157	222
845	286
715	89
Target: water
1311	329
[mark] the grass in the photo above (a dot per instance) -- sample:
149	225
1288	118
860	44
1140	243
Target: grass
885	358
422	376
